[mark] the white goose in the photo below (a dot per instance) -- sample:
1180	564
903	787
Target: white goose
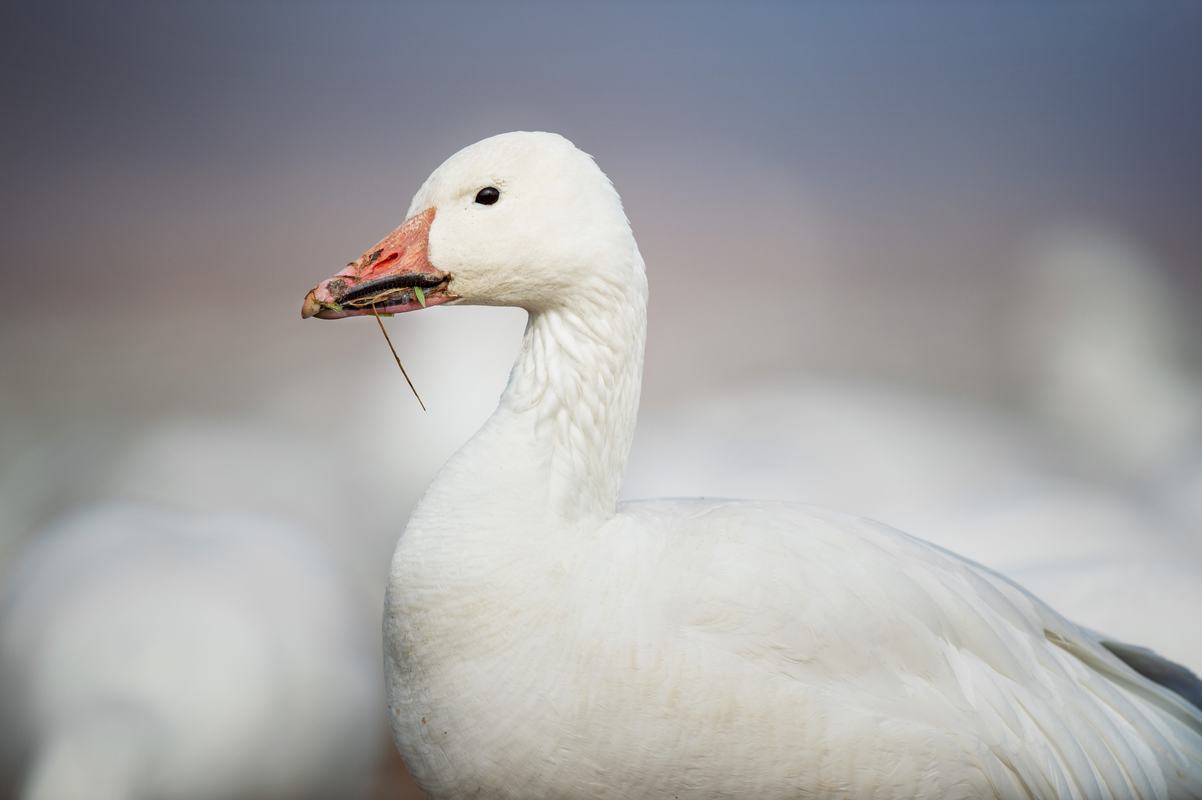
146	653
543	641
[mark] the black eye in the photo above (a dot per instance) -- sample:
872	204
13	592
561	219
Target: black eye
488	195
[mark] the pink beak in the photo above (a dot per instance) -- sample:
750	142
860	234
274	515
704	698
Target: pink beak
393	277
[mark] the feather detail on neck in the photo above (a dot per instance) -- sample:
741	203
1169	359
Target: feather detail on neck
578	375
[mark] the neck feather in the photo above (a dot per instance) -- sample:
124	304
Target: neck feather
556	447
578	379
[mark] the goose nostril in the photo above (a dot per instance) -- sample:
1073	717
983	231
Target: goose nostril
374	259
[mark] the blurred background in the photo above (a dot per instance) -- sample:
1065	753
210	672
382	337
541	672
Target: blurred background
932	262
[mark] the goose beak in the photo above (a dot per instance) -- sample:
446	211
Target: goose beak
393	277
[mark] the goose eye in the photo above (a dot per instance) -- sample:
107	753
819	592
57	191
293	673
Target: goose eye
488	195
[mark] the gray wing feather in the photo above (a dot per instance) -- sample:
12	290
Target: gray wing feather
1172	676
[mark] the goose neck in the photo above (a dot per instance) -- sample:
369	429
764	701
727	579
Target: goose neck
575	386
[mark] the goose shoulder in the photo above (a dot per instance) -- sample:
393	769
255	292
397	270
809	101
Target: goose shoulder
882	631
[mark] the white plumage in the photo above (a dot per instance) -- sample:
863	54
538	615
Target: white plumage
544	641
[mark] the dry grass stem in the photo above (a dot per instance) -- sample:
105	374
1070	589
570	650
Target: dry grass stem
412	388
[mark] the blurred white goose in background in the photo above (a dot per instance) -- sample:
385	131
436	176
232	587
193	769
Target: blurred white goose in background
543	641
1184	494
41	477
892	452
148	653
1111	366
253	465
1106	350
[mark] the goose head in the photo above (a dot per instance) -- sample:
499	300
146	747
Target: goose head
520	219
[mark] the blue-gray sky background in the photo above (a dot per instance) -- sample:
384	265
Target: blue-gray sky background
831	187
